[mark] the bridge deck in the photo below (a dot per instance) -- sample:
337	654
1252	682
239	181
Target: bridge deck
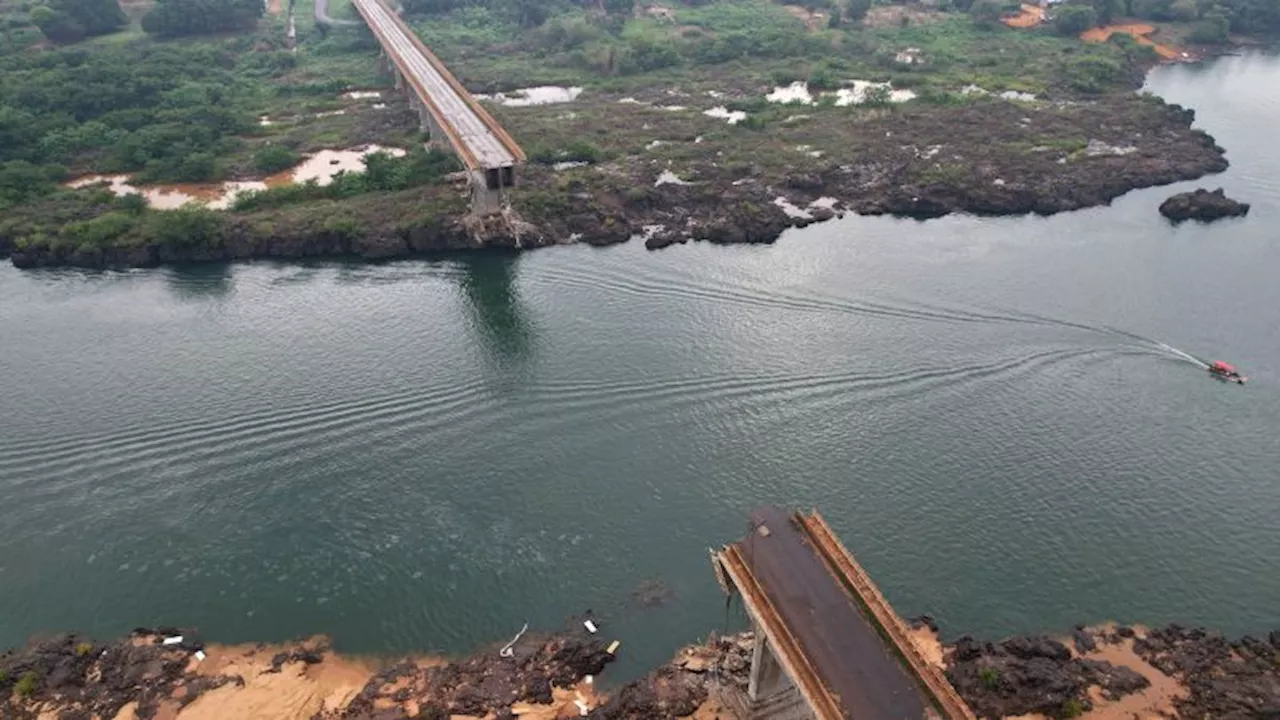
830	628
480	142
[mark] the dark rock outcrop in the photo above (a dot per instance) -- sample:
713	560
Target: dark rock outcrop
485	682
1202	205
1224	680
679	687
1032	674
88	679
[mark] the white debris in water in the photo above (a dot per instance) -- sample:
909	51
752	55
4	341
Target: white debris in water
330	113
541	95
808	150
733	117
715	94
666	177
568	165
264	121
796	92
672	108
930	153
972	90
567	116
379	106
999	182
1019	96
629	101
796	118
697	139
653	144
825	202
362	94
1097	148
743	181
575	237
790	209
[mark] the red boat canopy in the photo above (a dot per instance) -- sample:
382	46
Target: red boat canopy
1220	366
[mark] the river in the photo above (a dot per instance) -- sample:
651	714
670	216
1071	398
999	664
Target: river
424	455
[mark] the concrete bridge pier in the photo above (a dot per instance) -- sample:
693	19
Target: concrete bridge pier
770	693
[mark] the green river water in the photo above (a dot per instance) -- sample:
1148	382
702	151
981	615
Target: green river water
424	455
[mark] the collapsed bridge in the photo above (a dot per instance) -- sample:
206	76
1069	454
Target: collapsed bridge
446	110
828	645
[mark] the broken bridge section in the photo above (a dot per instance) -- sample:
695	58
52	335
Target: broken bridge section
828	645
446	110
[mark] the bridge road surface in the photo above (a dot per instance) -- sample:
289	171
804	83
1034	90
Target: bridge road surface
842	644
487	149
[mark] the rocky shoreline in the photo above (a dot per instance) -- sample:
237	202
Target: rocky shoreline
987	157
1105	672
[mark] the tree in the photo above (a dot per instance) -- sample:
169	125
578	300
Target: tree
986	13
64	21
1212	28
858	10
1183	11
98	17
1107	10
56	25
1074	19
198	17
529	13
833	22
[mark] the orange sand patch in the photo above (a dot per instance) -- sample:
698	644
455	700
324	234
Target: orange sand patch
564	704
1029	16
712	709
298	690
1139	32
273	7
928	644
1154	703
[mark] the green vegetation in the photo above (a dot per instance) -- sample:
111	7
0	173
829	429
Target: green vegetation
986	13
989	677
1072	708
383	173
27	684
1074	19
65	21
83	649
1213	19
200	17
165	110
271	159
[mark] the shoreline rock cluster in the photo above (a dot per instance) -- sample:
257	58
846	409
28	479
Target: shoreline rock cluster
1104	672
1202	205
985	158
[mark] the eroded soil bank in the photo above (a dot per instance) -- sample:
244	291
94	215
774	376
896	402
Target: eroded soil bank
1106	672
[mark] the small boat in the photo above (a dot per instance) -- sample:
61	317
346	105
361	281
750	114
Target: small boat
1226	372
